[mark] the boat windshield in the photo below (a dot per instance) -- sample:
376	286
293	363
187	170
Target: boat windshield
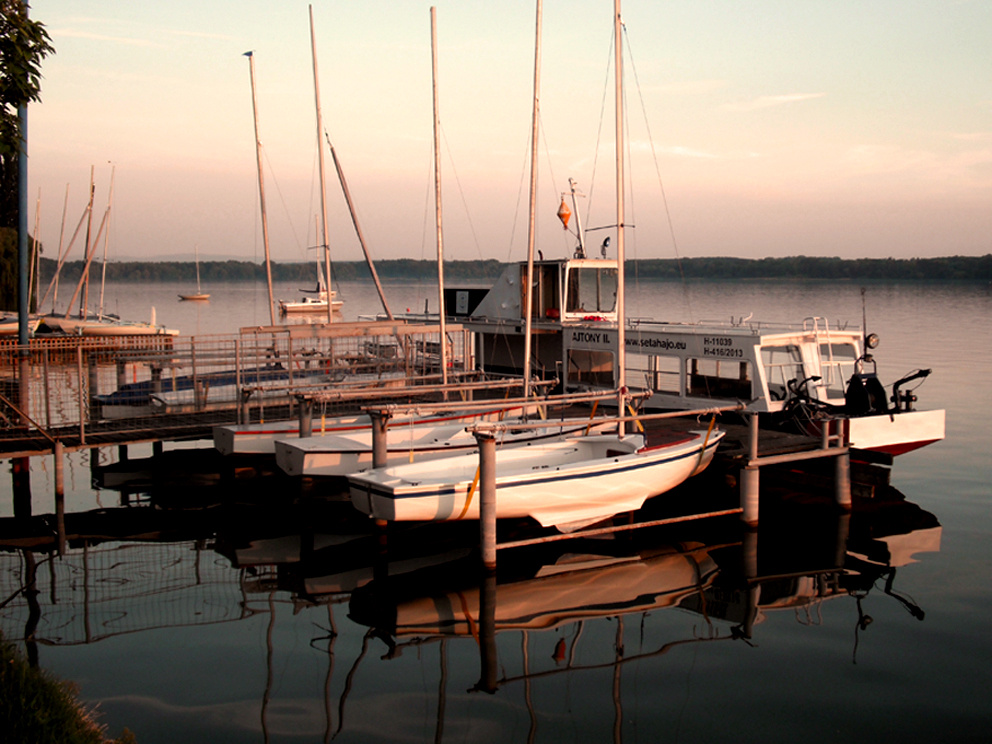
591	290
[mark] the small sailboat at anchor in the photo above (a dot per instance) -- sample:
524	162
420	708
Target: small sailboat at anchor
200	295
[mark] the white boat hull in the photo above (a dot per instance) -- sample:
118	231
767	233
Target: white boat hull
897	433
566	484
343	454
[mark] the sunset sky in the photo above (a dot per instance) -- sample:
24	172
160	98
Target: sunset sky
829	128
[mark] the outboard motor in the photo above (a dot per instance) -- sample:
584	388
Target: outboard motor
865	395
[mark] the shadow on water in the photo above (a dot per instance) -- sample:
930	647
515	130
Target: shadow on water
197	542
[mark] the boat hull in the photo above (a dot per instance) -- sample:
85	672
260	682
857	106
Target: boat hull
341	455
898	433
259	439
566	484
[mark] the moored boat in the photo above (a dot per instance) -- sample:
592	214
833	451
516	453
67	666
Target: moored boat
343	454
567	484
261	438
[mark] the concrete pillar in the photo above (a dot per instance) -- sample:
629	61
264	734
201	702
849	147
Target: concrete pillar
380	442
842	481
306	416
750	484
750	490
487	498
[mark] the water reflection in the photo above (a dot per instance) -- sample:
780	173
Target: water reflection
204	549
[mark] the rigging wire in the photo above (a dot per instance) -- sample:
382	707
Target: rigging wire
661	185
461	193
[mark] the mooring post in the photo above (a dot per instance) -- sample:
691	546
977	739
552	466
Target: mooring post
380	442
157	448
380	455
750	484
59	496
93	373
842	480
306	415
487	498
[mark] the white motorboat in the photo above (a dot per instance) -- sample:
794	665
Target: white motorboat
567	484
311	304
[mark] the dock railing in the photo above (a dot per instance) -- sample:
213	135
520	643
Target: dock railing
90	391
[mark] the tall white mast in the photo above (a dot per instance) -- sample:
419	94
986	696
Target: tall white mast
535	118
106	240
621	312
261	188
320	150
437	204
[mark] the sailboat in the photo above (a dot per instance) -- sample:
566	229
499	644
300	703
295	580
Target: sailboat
200	295
324	301
314	300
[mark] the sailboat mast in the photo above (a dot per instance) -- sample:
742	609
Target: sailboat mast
196	257
358	229
529	294
54	283
621	311
106	241
34	278
320	150
261	188
437	203
85	278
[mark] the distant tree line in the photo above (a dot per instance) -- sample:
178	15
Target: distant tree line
950	268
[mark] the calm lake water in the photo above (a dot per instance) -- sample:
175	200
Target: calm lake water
270	617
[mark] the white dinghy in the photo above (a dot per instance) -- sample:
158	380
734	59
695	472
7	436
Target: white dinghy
567	484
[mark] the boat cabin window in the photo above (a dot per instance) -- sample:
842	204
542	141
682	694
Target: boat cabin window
590	367
718	379
591	290
651	372
781	363
837	362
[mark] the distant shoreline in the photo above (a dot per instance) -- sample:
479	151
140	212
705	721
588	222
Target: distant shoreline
926	270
